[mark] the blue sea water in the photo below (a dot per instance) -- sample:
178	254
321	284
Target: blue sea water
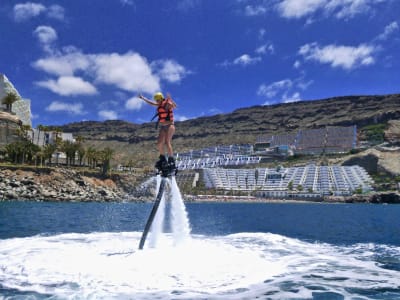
52	250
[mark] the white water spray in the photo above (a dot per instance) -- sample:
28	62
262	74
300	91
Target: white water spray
179	218
180	226
158	223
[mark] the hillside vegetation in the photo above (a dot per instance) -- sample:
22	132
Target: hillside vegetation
136	142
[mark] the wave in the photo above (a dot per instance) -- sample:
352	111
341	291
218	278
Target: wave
238	266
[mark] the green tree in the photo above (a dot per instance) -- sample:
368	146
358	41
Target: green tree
70	149
21	151
23	130
290	185
80	149
91	157
48	151
9	99
106	156
358	190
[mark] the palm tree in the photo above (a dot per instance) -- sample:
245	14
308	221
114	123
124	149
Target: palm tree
49	150
21	151
9	100
80	150
90	156
23	131
70	149
106	156
81	154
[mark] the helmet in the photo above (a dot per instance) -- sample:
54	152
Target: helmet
158	96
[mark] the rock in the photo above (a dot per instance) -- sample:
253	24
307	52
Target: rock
387	197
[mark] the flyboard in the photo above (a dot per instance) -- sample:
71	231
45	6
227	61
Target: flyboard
166	170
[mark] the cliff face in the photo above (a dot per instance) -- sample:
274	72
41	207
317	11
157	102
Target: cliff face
137	142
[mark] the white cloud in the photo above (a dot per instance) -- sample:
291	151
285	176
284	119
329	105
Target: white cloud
28	10
299	8
63	65
349	8
255	10
134	103
130	72
108	115
389	30
261	33
69	86
56	12
341	9
187	5
75	109
46	36
291	98
285	90
25	11
345	57
266	48
180	118
169	70
127	2
274	88
245	60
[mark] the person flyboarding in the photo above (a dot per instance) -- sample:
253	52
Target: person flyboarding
167	168
165	114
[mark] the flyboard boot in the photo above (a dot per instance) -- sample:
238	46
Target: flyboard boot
161	163
166	168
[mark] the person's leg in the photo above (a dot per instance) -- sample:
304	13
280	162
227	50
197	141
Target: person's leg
168	140
160	145
161	140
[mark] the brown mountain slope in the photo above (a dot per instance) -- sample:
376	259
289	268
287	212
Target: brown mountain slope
137	142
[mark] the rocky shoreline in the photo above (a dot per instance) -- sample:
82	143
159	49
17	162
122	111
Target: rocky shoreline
61	184
64	184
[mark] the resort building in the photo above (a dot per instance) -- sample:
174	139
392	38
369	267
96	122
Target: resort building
21	108
310	181
45	137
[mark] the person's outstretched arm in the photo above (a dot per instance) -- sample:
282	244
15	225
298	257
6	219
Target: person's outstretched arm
148	101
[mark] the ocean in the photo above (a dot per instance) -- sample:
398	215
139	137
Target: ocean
58	250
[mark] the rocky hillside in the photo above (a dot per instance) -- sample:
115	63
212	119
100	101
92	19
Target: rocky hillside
137	142
65	184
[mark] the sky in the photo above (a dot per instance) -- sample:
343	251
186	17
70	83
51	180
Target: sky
81	60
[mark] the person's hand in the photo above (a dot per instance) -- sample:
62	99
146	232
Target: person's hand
141	96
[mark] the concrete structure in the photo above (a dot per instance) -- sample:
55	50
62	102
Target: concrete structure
330	139
22	107
9	124
42	138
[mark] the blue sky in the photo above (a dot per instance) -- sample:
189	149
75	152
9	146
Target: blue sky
87	60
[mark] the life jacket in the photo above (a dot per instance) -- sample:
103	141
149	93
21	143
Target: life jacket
164	114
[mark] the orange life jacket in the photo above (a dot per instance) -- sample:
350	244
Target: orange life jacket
164	114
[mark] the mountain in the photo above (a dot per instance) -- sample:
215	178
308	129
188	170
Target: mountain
137	142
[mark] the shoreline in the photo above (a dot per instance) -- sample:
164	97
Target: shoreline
67	185
373	198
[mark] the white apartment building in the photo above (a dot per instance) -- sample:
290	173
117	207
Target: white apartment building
22	107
